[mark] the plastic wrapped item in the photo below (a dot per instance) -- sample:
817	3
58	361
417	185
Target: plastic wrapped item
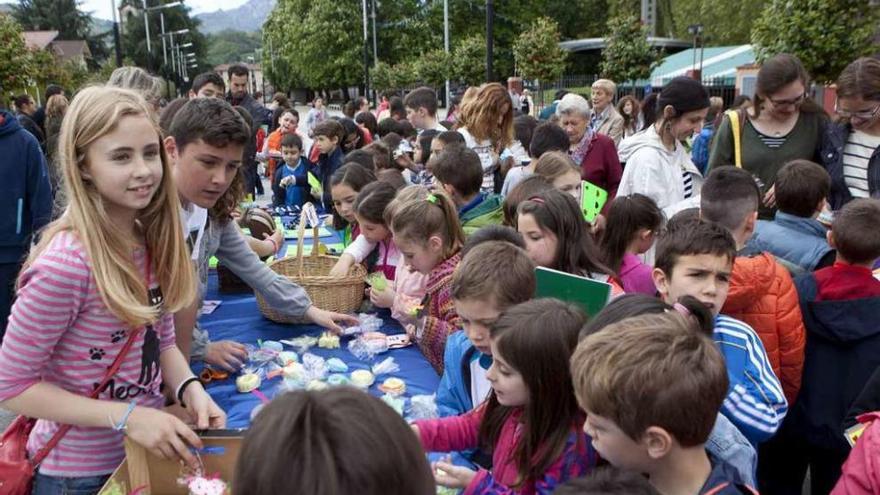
368	345
287	357
423	407
302	344
315	366
397	403
393	386
336	365
316	385
272	345
248	382
338	380
200	485
386	367
328	341
260	357
362	378
256	410
366	323
377	281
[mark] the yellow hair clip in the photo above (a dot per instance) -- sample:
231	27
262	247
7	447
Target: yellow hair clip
431	198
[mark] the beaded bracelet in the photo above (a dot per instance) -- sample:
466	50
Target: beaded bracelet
122	426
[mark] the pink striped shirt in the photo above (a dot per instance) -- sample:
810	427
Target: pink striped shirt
61	332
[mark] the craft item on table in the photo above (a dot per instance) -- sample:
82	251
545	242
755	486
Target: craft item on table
395	402
294	371
261	356
336	365
287	357
200	485
393	386
386	367
398	341
362	378
366	323
272	345
259	222
301	343
377	281
316	367
114	487
414	311
328	341
368	345
316	385
338	379
261	396
256	410
247	382
423	407
208	307
209	375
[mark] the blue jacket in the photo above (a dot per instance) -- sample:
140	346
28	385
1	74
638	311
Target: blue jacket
755	402
454	392
25	192
724	480
797	240
700	147
842	351
327	165
833	142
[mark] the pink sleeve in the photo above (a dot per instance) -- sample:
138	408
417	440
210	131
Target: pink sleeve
861	471
52	292
167	334
450	434
409	290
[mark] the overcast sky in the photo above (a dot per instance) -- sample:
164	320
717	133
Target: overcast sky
103	8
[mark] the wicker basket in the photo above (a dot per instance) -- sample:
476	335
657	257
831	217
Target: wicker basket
340	294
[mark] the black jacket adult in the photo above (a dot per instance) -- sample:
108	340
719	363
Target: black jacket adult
29	124
833	143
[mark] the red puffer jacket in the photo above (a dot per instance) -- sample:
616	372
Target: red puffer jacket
763	295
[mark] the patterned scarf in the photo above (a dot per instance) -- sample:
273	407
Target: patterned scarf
582	148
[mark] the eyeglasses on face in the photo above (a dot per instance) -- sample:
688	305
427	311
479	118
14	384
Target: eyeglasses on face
789	102
860	115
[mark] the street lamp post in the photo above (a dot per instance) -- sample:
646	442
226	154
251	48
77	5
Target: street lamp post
116	38
696	30
490	15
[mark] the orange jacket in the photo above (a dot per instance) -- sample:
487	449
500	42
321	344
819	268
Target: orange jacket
762	294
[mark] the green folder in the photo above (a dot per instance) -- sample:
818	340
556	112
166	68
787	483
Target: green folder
593	198
589	295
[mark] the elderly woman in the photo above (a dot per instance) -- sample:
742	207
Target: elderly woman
594	153
606	120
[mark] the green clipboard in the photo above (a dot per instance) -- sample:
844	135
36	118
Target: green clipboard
589	295
593	198
315	184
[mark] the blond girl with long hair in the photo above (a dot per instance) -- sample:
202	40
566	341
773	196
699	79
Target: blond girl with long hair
113	268
486	122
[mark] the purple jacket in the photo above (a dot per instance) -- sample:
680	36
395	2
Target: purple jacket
635	276
457	433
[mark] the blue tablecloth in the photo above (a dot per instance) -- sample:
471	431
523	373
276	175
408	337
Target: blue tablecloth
238	318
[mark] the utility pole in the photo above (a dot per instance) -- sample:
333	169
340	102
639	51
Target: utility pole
490	14
446	45
116	38
366	51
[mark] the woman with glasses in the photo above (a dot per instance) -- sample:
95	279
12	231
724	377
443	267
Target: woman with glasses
783	124
851	153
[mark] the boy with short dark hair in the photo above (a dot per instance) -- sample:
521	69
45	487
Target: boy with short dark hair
421	109
457	170
208	85
651	386
762	293
291	183
841	305
695	259
546	137
328	135
492	277
204	146
795	235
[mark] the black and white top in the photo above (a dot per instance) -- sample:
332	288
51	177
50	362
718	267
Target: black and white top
688	180
856	155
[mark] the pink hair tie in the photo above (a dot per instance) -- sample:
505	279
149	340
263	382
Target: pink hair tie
537	199
681	309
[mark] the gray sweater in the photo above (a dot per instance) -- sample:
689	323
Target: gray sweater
227	243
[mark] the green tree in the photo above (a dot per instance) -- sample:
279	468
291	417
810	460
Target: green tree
627	55
432	68
537	51
319	40
16	67
229	46
724	22
825	34
469	60
65	17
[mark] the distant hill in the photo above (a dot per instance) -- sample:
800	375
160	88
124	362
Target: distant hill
248	17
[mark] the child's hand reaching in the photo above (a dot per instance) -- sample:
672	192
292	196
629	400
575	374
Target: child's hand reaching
162	434
452	476
382	298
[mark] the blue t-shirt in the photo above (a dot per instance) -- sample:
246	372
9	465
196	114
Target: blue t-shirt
294	195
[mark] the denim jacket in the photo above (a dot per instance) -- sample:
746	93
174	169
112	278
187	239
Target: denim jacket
833	142
729	445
